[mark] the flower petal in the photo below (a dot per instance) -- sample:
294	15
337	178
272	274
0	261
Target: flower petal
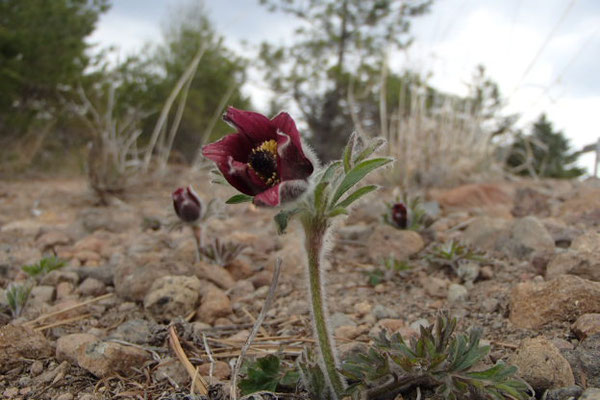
291	161
281	193
235	145
256	127
242	177
283	122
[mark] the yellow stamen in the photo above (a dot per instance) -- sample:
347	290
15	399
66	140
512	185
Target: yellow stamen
269	145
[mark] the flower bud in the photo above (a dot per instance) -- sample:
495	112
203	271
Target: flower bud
400	215
187	204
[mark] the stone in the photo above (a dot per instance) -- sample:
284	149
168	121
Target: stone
262	279
484	233
358	232
531	201
586	325
215	274
527	236
67	347
37	367
347	332
239	269
91	287
583	264
588	353
134	277
565	393
241	289
64	290
388	241
53	278
363	308
420	323
457	293
137	331
381	312
468	271
590	394
340	319
215	304
221	370
107	358
41	294
64	396
171	369
588	242
541	364
486	272
433	286
18	342
48	240
497	198
173	296
534	304
490	305
104	273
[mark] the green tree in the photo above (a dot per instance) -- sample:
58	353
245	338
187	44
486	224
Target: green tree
42	47
338	43
545	152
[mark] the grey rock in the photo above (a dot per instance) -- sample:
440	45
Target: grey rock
91	287
468	271
528	235
173	296
138	331
382	312
419	323
590	394
355	232
42	294
564	393
457	293
53	278
340	319
588	353
104	273
490	305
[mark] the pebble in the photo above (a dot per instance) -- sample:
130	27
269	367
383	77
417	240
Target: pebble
457	293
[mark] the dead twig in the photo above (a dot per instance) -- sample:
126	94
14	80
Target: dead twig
201	385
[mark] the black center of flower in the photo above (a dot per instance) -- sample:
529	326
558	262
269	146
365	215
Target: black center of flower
264	163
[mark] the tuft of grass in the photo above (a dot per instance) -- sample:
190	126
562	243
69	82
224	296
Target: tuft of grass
268	374
17	295
389	268
451	253
44	266
221	253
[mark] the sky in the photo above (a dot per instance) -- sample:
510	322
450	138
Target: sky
544	54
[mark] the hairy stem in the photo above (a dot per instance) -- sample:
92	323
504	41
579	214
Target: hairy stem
315	229
197	230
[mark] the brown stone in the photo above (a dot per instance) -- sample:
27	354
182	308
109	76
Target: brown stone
67	347
583	264
388	241
215	274
221	370
107	358
239	269
534	304
173	296
541	364
215	304
586	325
18	342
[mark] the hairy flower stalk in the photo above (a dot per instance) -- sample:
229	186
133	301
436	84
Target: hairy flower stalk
266	161
315	230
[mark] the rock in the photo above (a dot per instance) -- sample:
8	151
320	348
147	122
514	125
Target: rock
381	312
484	233
64	290
468	271
239	269
588	242
53	278
526	236
134	277
362	308
67	347
340	319
388	241
433	286
104	218
565	393
533	305
541	365
347	332
490	305
420	323
346	350
457	293
242	288
64	396
360	232
583	264
562	234
531	201
588	353
107	358
493	198
173	296
262	279
486	272
215	274
104	273
41	294
91	287
137	331
18	342
590	394
37	367
586	325
215	304
221	370
171	369
49	240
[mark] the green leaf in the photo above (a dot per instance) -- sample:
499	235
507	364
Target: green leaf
357	173
337	211
267	374
320	198
357	194
239	198
330	171
347	156
372	147
282	220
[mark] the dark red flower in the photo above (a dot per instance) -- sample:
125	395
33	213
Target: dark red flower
187	204
400	215
264	158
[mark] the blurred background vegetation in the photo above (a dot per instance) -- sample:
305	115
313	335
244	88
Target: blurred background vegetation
67	107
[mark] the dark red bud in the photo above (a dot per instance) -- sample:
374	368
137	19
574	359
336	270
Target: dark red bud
400	215
187	204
